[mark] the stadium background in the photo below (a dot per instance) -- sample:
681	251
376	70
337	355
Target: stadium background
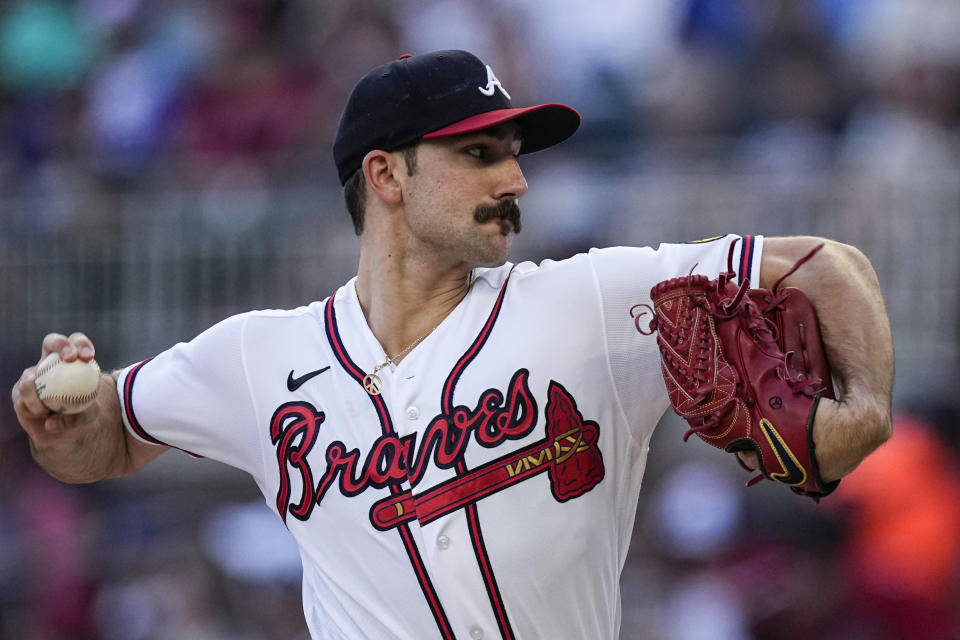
166	164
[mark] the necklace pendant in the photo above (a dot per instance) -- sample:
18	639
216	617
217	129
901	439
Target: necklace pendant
373	384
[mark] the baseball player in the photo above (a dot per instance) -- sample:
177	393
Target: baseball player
455	441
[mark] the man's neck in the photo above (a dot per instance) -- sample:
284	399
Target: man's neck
405	300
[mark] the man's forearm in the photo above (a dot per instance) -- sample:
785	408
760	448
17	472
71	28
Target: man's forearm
93	445
844	289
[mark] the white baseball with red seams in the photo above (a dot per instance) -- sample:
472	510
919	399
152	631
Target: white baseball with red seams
490	490
67	387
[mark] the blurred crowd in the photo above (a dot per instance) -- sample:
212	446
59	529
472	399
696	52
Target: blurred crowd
98	93
101	98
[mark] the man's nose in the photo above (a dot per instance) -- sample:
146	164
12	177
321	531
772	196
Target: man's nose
512	183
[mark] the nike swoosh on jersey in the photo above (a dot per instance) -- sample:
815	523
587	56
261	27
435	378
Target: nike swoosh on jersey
793	473
295	383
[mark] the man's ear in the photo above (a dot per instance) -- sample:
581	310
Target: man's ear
379	168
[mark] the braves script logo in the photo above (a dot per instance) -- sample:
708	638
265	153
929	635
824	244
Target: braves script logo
569	453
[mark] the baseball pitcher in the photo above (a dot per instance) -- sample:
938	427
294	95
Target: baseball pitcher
456	441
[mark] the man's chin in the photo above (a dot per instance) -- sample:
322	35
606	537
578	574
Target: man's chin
495	256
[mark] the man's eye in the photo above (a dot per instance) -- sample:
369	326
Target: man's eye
478	152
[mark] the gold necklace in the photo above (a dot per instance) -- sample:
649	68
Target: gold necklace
371	381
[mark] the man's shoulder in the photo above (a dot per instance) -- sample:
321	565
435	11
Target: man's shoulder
545	269
273	320
527	277
312	309
626	268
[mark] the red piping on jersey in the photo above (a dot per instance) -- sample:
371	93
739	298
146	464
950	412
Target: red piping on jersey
333	335
386	425
746	258
473	518
132	417
446	399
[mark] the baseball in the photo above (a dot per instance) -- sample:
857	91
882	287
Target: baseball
67	387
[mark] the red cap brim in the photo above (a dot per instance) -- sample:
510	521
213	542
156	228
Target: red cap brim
541	126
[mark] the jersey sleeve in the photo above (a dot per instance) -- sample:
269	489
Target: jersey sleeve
625	276
195	397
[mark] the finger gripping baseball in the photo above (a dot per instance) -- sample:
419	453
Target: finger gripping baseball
745	368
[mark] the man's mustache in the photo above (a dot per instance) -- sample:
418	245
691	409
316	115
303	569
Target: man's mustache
505	210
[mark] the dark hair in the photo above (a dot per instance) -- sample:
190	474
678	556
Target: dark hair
355	189
355	195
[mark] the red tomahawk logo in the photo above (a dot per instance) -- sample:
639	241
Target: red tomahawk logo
569	454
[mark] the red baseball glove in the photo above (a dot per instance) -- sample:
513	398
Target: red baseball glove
746	369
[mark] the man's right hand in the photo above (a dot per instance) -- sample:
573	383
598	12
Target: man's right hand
42	425
83	447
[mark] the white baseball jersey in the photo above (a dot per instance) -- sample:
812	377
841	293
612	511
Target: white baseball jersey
489	491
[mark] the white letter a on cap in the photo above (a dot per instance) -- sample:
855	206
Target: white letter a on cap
492	85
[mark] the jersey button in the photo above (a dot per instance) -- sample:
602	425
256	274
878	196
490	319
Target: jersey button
413	413
443	542
476	632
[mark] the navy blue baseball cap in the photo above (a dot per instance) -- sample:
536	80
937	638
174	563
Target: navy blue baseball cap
438	94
